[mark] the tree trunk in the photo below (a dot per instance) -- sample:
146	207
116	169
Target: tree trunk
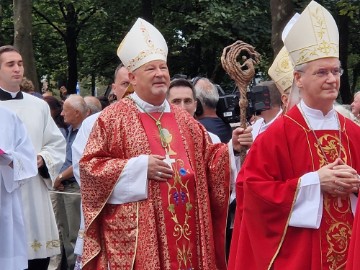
71	47
346	96
281	13
23	38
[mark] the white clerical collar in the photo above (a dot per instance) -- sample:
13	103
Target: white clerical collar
317	114
13	94
149	107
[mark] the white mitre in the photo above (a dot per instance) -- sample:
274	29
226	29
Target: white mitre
142	44
313	36
282	71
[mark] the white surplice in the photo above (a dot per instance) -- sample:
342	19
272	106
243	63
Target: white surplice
41	229
18	149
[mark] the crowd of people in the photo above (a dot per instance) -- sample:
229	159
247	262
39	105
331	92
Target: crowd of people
151	178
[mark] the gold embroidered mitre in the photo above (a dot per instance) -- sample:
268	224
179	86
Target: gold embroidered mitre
142	44
281	71
314	35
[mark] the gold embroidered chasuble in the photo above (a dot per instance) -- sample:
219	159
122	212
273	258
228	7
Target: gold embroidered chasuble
267	187
337	218
182	223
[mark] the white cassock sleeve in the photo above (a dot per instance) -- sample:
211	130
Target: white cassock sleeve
307	211
77	150
18	149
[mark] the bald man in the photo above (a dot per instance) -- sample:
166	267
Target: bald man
74	112
93	103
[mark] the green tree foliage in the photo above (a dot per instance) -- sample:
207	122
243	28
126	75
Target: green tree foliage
77	40
198	31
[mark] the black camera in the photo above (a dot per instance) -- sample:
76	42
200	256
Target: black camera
228	108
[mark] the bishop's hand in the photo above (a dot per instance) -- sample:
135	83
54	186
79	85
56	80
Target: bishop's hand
339	179
158	169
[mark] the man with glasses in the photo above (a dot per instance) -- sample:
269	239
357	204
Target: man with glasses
298	181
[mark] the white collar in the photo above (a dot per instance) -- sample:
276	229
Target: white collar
317	114
149	107
13	94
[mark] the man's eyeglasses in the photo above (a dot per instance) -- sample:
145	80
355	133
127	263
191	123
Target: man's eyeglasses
321	73
325	72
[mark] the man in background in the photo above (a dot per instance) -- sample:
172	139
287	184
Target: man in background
181	92
74	112
93	104
267	117
208	96
355	108
121	82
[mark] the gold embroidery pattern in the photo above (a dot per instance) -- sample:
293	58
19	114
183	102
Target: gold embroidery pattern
338	231
337	216
283	68
36	245
330	144
120	230
143	54
95	193
178	193
323	46
125	141
53	244
215	186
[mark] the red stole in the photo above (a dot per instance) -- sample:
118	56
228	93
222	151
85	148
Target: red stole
177	194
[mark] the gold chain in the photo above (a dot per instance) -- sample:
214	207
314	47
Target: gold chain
157	122
317	139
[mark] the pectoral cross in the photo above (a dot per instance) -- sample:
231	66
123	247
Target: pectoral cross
169	160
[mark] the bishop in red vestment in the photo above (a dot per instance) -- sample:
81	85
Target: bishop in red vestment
266	190
295	192
353	261
146	234
141	143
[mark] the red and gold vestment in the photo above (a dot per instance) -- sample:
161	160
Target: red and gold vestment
181	225
267	187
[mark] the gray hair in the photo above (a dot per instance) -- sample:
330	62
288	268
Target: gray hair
207	93
301	67
78	103
93	104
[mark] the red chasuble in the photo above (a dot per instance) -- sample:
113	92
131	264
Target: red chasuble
267	187
353	261
181	225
